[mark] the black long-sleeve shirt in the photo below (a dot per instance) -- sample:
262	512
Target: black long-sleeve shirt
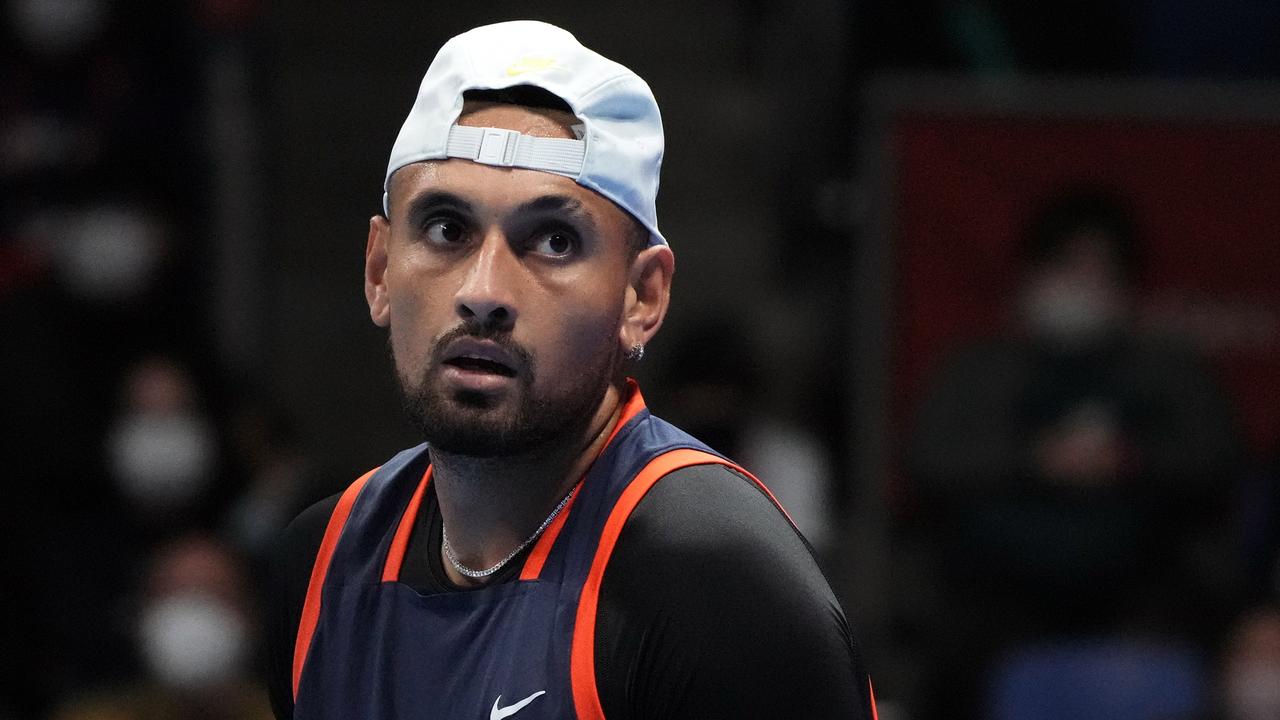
712	606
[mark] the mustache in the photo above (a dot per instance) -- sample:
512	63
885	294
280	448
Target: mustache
498	336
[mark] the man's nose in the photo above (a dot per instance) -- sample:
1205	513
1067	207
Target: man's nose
486	294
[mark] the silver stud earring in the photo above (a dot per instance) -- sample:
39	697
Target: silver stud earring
636	353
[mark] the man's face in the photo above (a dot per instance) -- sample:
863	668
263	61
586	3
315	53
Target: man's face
505	291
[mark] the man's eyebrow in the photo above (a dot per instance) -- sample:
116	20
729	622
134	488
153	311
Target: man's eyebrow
430	201
434	200
556	204
563	205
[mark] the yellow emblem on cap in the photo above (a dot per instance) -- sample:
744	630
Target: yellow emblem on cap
530	63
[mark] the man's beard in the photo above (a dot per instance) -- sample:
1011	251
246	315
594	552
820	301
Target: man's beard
467	423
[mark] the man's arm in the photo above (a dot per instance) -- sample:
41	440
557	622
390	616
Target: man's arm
712	606
287	581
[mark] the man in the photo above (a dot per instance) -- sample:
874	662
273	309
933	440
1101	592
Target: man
1075	465
552	550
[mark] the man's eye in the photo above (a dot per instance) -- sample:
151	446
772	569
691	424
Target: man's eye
445	232
556	243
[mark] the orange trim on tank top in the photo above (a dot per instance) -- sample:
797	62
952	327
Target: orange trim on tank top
542	549
311	606
586	696
532	569
630	408
395	557
400	543
538	557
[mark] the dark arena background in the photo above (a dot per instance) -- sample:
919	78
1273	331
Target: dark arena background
986	291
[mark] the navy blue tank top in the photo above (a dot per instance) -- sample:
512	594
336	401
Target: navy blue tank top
369	646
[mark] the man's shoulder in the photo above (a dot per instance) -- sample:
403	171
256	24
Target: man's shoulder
714	517
713	598
301	538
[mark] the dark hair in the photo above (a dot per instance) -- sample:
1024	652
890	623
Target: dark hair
1084	208
524	95
529	96
637	239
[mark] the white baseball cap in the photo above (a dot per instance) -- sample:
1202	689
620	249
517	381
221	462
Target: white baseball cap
619	150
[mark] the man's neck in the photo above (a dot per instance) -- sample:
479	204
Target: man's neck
491	505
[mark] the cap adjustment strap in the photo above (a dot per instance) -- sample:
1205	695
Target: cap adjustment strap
508	148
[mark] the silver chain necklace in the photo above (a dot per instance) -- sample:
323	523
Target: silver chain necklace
457	564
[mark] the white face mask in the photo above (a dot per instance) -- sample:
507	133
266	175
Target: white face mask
1069	314
1253	692
108	253
161	462
193	641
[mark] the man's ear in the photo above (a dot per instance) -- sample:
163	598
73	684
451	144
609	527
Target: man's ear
648	295
375	271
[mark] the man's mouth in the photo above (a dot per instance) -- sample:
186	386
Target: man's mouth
479	364
481	357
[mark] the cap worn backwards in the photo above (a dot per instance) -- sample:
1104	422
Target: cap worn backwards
619	152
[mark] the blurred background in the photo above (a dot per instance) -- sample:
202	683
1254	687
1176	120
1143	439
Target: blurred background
985	290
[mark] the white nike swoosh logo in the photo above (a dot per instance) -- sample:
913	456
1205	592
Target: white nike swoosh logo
498	713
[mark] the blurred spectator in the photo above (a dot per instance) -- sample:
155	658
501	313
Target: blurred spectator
162	448
106	252
1080	473
89	521
194	632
